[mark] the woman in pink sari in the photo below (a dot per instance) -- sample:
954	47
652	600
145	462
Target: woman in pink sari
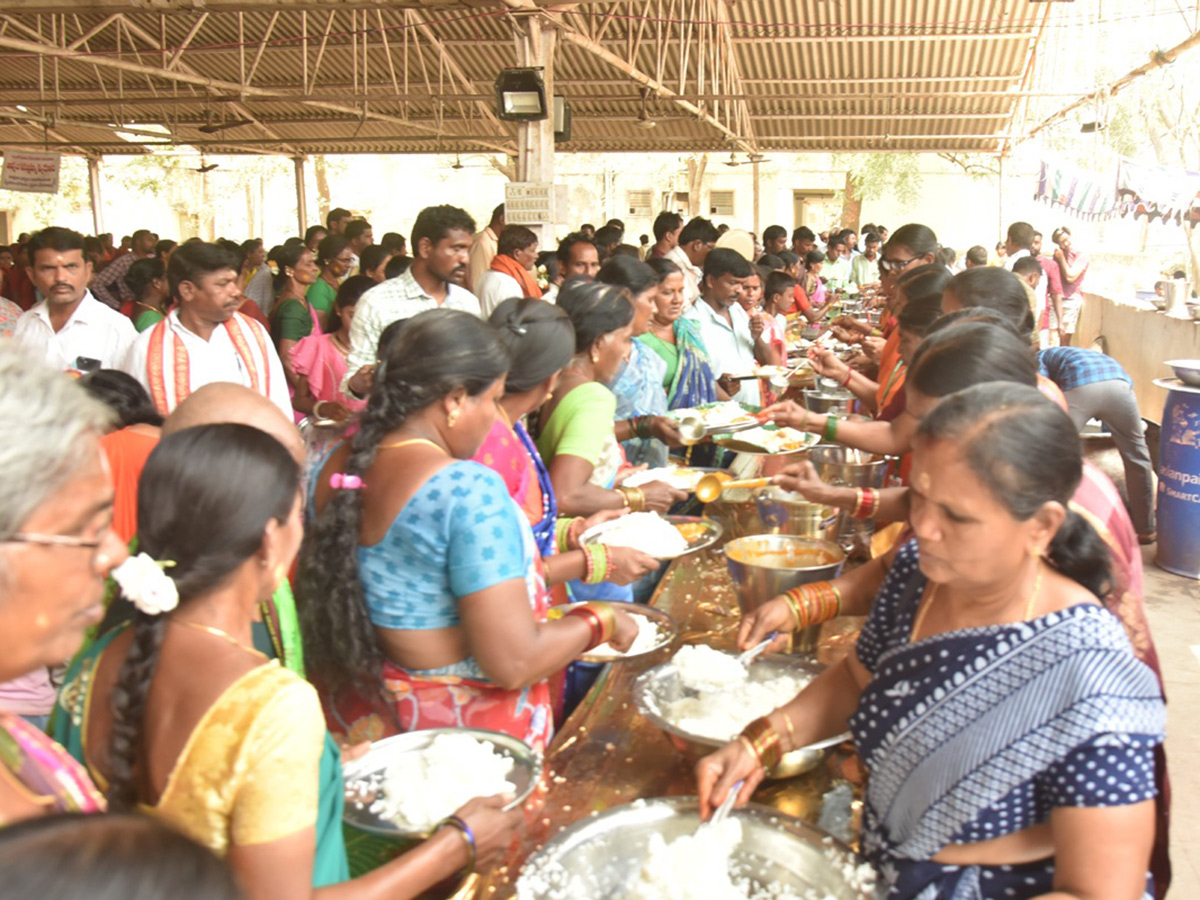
319	360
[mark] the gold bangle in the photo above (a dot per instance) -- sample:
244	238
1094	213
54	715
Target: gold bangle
607	615
749	747
790	598
791	730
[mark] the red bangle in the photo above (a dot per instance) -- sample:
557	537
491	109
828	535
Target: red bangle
849	375
594	622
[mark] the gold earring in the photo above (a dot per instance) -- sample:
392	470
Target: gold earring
549	394
452	418
595	358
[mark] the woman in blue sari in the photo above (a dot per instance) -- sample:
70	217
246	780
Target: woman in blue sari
688	378
1007	725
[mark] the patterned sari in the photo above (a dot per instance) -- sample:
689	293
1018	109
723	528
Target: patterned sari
977	733
55	780
693	382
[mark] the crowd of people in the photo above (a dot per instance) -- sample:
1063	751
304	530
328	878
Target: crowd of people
299	499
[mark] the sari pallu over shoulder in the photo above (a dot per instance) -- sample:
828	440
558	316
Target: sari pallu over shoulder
950	725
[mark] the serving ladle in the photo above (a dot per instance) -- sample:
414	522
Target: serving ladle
710	487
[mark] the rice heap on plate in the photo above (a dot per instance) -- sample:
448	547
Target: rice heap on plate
423	787
779	440
704	669
726	412
647	638
691	867
731	697
678	477
645	531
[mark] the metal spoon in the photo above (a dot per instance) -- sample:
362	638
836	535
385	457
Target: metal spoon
756	651
726	806
709	487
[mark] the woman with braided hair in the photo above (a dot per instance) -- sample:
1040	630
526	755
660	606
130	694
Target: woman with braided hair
177	714
420	597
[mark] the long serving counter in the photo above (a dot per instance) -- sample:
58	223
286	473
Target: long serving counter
606	754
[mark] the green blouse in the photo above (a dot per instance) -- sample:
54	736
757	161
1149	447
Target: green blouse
290	321
321	295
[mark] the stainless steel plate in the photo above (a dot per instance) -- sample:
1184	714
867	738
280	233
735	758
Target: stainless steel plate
661	685
602	856
363	777
667	628
709	533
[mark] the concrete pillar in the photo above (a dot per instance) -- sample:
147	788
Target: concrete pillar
94	192
301	195
535	140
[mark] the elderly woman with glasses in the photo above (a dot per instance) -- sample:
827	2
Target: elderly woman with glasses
56	548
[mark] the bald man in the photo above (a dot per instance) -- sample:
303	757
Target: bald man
223	402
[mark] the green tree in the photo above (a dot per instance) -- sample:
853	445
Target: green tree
871	175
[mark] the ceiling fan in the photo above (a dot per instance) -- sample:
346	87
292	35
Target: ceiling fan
750	159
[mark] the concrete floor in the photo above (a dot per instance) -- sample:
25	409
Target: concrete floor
1173	607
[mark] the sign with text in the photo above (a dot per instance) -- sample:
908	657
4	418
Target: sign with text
532	203
29	171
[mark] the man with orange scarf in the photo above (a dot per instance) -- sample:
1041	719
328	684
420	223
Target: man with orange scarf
510	274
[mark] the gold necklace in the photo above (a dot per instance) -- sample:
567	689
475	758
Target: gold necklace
393	446
1029	606
217	632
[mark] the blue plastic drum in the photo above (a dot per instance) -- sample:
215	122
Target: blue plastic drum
1179	481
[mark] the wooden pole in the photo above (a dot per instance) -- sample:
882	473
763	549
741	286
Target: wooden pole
301	196
94	193
1157	60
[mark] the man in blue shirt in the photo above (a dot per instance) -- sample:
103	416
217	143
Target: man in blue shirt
1096	387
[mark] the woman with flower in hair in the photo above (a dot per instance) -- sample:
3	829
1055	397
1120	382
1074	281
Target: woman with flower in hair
178	715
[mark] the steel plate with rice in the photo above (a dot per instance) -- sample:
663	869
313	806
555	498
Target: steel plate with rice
366	777
777	856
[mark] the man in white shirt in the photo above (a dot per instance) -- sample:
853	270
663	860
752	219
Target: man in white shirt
204	339
441	243
1017	243
360	235
733	340
836	271
864	268
69	325
696	241
484	247
509	275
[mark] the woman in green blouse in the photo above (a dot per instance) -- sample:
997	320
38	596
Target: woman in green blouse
335	257
292	316
147	280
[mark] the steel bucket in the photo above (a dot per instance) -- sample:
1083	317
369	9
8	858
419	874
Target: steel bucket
773	510
840	466
763	566
825	402
1178	294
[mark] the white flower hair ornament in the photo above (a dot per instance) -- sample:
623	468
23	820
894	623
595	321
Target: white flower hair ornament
147	586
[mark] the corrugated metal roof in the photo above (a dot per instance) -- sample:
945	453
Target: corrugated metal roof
809	75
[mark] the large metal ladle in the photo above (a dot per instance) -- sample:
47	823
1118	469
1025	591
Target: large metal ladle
709	487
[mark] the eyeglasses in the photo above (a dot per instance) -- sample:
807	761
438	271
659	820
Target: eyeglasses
895	265
55	540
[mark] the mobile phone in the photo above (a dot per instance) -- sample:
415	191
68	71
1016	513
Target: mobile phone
86	364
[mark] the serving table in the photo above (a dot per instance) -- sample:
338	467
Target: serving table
606	754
